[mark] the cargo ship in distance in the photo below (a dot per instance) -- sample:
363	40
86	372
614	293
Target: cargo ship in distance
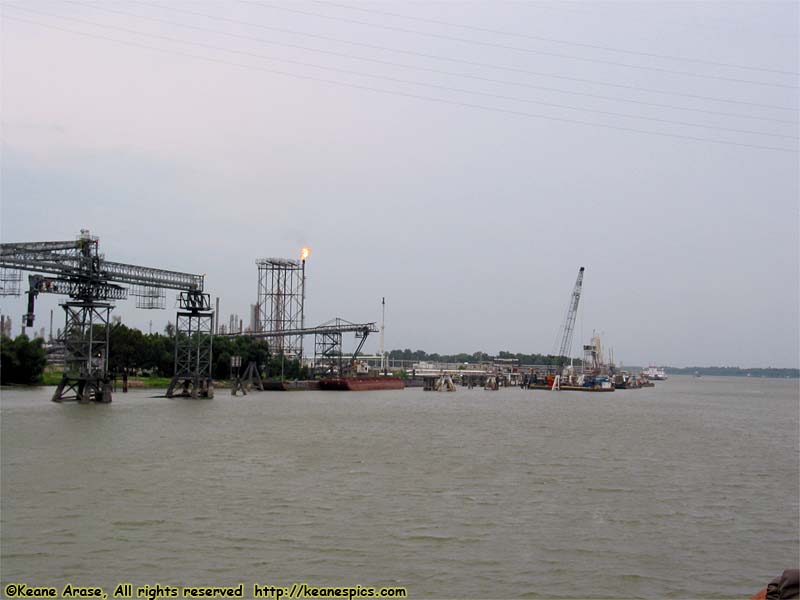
361	384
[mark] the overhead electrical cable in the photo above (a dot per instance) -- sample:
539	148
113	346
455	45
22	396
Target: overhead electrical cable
555	40
405	94
517	48
408	81
428	69
634	88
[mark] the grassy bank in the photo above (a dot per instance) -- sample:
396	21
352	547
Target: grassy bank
54	377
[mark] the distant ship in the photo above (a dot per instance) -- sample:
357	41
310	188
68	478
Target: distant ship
655	373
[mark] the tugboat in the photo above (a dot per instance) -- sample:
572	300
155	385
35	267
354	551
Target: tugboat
625	381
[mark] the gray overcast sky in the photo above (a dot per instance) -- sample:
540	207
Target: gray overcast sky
199	136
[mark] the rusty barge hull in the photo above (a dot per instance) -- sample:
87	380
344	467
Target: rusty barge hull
361	384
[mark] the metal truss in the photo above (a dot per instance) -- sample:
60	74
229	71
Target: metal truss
81	259
567	329
193	348
77	269
148	276
10	282
280	302
85	337
336	325
327	340
75	288
149	297
328	351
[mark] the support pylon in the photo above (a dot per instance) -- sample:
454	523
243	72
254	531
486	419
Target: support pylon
194	328
86	335
252	378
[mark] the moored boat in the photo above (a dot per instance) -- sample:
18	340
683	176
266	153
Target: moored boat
360	384
290	385
654	373
573	388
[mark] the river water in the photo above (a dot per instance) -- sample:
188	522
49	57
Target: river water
685	490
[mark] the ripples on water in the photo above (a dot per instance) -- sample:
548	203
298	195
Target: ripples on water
686	490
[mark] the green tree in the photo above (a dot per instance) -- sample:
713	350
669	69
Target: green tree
21	360
128	349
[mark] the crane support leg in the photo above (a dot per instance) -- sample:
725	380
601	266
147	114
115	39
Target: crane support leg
193	348
86	334
252	377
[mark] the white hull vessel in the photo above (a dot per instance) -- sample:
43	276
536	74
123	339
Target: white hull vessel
655	373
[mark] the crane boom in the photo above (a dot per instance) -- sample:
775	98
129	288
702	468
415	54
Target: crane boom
151	277
79	260
569	323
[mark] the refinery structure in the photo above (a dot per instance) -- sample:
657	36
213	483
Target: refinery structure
77	269
92	284
281	300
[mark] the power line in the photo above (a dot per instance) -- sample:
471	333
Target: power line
410	82
473	63
427	69
405	94
554	40
518	48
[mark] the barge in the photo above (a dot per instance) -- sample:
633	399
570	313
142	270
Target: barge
361	384
290	385
570	388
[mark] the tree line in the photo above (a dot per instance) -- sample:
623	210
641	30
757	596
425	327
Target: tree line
480	357
22	360
135	352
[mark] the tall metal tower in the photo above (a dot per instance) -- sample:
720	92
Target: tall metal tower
281	296
77	269
194	328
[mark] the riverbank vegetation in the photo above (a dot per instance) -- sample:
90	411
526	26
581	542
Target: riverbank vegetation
22	360
149	359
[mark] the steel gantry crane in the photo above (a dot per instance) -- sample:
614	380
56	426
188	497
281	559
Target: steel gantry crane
76	269
568	327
